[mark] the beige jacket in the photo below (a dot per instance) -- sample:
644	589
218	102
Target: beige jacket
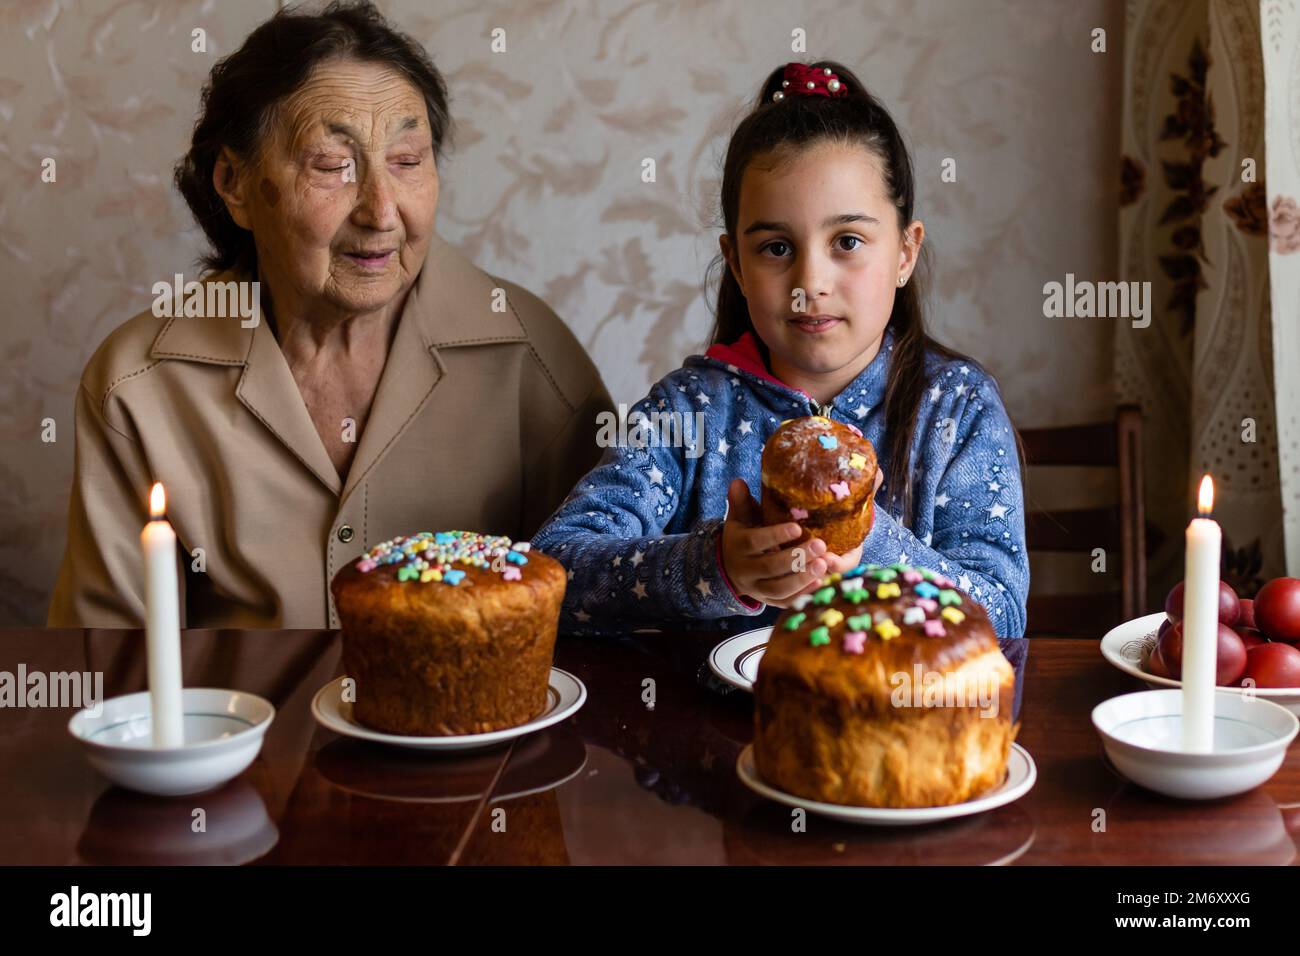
483	420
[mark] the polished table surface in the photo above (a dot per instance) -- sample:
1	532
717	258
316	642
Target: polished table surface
617	783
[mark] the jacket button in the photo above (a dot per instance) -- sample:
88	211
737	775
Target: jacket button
346	533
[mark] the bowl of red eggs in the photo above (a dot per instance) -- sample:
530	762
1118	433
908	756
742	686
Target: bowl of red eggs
1258	643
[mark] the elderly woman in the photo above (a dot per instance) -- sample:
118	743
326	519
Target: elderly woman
385	386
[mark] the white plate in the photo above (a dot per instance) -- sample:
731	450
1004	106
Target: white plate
1021	774
1127	646
736	659
564	696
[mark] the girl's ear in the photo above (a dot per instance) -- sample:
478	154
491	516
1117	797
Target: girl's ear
732	259
913	236
230	181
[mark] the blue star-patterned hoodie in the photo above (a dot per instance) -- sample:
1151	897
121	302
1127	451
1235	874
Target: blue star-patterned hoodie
640	535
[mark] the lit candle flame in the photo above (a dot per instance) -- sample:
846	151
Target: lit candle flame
1205	498
157	501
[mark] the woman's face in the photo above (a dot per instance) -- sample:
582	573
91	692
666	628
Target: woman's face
342	198
818	254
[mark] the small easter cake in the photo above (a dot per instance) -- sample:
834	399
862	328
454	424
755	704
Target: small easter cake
884	688
449	633
821	474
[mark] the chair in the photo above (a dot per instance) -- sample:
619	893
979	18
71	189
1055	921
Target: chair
1123	533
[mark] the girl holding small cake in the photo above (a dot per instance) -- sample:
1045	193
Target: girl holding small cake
819	329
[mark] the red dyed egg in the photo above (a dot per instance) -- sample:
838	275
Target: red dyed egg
1273	665
1277	609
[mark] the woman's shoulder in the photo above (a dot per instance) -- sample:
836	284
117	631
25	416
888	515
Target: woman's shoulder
553	342
142	342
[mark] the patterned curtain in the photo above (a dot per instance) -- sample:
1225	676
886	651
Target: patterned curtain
1209	175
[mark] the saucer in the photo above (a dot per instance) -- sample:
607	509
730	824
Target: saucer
564	695
1021	774
736	659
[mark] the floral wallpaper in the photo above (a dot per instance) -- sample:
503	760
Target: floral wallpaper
544	184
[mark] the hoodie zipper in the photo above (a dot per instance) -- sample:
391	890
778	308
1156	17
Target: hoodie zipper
818	409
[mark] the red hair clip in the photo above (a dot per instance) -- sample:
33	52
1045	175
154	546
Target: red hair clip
802	80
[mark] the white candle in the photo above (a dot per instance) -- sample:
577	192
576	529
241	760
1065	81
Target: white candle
162	623
1200	624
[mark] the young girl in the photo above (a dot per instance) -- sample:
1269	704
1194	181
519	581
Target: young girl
818	313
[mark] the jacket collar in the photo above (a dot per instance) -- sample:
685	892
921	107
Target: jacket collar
743	357
449	305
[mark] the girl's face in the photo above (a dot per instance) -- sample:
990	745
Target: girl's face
818	255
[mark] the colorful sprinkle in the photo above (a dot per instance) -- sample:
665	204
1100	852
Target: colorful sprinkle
818	636
427	557
829	442
831	617
798	514
858	461
824	596
860	622
912	576
953	615
858	595
926	589
794	620
888	630
928	604
913	615
947	597
854	428
801	602
888	591
850	584
934	628
853	641
840	489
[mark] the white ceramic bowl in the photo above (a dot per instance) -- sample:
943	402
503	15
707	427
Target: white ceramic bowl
1142	734
223	731
1128	645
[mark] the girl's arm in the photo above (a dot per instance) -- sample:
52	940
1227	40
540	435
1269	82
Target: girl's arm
609	534
978	536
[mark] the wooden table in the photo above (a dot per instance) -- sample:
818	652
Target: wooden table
618	783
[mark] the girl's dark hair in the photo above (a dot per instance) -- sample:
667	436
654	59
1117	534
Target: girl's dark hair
775	129
239	101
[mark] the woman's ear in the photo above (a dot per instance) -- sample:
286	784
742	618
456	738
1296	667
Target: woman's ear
230	181
732	259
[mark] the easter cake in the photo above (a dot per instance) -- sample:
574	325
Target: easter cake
449	633
884	688
821	474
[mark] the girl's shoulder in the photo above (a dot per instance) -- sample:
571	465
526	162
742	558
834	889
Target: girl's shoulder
958	384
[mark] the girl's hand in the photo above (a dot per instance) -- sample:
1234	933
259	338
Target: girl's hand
837	563
758	559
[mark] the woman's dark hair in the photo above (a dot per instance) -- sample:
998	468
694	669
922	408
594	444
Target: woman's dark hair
240	98
771	132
